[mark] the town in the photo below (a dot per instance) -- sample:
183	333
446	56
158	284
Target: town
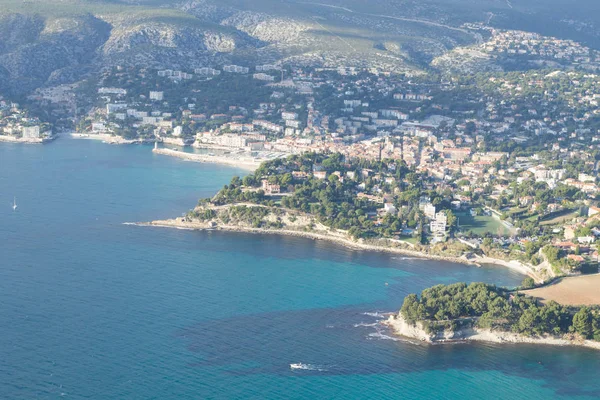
501	163
17	126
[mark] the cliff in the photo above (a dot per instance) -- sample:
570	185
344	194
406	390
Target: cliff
472	334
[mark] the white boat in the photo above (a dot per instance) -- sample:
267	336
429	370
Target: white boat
297	366
14	203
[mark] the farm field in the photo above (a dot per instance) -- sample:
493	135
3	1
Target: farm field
575	291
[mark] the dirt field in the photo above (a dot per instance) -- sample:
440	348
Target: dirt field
581	290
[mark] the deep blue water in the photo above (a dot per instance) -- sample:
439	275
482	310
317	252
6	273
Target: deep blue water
94	309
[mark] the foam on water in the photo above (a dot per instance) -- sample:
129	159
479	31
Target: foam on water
365	324
381	336
376	314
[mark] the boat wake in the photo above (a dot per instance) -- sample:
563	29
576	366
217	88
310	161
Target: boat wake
307	367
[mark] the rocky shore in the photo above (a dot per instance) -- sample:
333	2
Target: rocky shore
337	238
14	139
402	328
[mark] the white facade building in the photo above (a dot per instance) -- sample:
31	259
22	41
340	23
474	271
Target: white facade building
31	132
157	96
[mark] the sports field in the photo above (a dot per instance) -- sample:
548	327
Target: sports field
482	224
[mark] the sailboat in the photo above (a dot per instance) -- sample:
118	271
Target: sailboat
15	203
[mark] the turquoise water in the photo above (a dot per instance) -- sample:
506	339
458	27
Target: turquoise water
94	309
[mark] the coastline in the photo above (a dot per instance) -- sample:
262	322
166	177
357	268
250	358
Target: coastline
400	327
336	239
106	138
246	163
12	139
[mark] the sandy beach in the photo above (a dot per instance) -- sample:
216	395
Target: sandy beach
246	163
515	265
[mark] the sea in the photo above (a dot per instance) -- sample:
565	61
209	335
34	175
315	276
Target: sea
91	308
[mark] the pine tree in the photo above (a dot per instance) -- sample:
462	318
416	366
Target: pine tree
582	322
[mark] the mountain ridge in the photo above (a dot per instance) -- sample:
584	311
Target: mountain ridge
57	41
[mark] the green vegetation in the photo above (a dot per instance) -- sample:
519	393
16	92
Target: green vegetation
334	200
109	10
528	283
482	225
487	306
559	217
255	216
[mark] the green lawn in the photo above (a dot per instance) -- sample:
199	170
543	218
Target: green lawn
410	239
482	224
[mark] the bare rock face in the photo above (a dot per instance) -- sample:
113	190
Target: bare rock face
466	60
266	28
55	47
130	38
37	48
35	51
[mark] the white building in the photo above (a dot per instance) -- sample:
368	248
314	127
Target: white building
31	132
439	224
266	67
231	140
99	127
289	115
157	96
352	103
394	114
207	71
267	125
389	208
112	90
429	210
112	107
236	69
586	178
151	120
264	77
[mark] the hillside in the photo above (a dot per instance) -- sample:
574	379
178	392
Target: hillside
54	41
47	42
